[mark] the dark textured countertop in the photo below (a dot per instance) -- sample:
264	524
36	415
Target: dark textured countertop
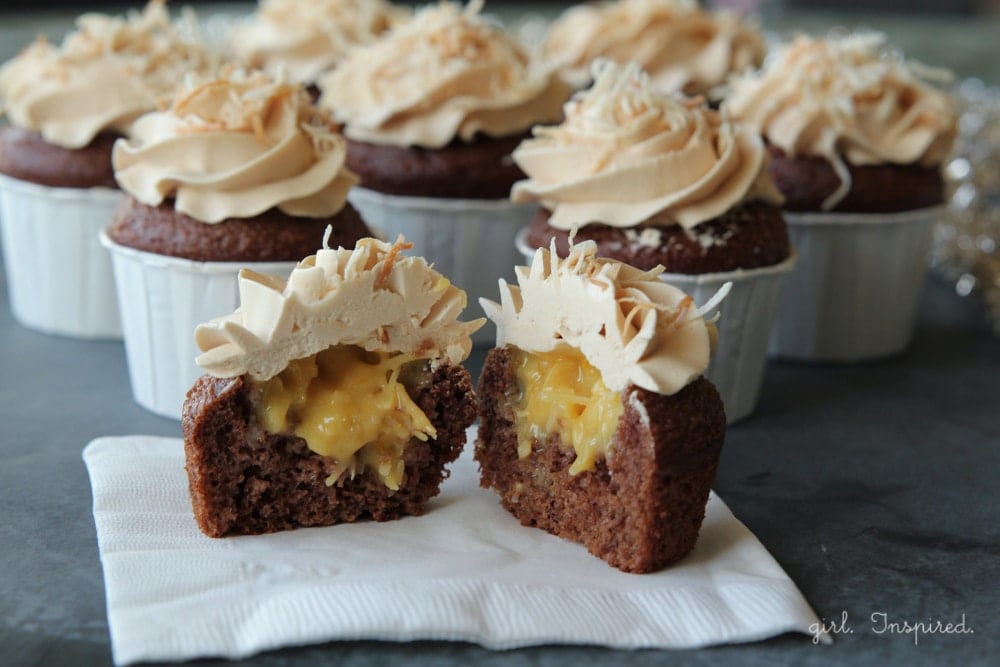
873	485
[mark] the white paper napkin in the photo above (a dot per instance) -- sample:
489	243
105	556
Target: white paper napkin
465	571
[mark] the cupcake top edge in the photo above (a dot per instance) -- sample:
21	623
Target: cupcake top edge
682	46
847	99
305	38
374	296
632	326
447	74
625	154
234	146
105	74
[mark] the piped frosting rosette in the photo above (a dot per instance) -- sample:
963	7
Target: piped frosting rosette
106	73
373	296
305	38
683	47
442	75
626	155
630	325
233	147
846	99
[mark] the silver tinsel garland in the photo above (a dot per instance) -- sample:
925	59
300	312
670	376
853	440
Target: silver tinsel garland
967	241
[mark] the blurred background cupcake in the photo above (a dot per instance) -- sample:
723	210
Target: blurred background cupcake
431	113
682	47
240	171
661	180
303	39
857	138
66	105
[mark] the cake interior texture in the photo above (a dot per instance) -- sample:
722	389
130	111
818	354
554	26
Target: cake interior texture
641	507
246	480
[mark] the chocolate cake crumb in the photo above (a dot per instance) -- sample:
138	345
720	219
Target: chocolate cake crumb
639	510
244	480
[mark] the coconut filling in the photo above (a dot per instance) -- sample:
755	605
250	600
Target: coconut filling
560	392
351	406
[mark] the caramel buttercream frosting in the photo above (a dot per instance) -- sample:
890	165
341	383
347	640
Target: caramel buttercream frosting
305	38
446	74
629	324
683	48
235	146
374	297
848	100
104	75
626	155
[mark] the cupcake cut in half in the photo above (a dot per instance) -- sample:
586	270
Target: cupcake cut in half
333	396
596	423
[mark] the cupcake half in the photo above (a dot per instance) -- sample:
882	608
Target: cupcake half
241	170
334	396
665	181
857	139
596	423
66	105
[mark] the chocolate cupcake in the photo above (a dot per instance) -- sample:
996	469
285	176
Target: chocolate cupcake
431	113
682	47
857	140
66	105
335	396
240	171
596	423
666	181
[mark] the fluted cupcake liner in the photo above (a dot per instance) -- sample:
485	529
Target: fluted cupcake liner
162	300
59	278
747	314
469	241
856	288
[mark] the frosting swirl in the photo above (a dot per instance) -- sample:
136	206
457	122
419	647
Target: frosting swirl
846	99
625	155
305	38
233	147
630	325
445	74
682	47
373	296
103	76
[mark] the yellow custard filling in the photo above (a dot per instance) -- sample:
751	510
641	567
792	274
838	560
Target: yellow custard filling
349	405
562	393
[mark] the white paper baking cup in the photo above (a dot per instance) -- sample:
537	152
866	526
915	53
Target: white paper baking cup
747	314
469	241
59	277
856	288
162	300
